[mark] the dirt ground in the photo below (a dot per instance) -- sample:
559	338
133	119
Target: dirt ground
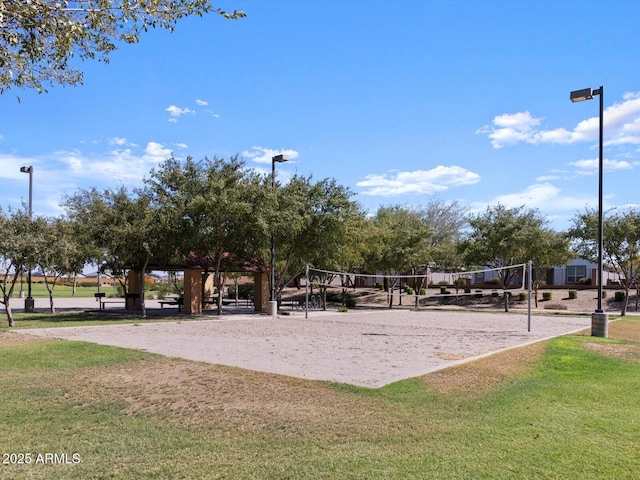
366	348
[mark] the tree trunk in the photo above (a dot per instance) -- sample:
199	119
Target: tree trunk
625	302
7	307
506	302
52	308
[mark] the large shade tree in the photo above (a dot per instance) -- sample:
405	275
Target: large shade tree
127	232
214	209
312	222
400	242
39	38
501	237
621	244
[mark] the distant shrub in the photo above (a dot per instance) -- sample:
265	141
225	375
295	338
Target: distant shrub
546	296
443	290
379	285
443	282
423	291
584	281
522	296
350	302
409	290
467	290
343	309
604	294
619	296
573	294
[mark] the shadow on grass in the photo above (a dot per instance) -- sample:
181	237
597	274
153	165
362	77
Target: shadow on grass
78	319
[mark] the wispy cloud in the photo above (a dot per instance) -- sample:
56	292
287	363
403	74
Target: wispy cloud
621	127
417	182
176	112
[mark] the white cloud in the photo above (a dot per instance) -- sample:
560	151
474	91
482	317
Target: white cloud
176	112
545	197
609	165
418	182
202	103
156	153
264	155
547	178
621	127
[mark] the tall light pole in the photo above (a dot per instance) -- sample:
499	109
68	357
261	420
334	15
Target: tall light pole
599	319
28	302
273	304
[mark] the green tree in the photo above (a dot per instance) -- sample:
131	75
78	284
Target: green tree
60	252
446	221
18	251
125	227
548	248
311	222
501	237
39	38
400	241
213	208
621	244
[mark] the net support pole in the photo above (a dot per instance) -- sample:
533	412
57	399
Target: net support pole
306	292
529	279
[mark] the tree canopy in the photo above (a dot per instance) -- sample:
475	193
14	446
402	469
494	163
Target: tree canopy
621	244
39	38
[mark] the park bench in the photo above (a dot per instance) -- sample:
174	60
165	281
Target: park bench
179	301
103	303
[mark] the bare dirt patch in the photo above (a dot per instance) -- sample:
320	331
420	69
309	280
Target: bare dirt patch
481	375
617	350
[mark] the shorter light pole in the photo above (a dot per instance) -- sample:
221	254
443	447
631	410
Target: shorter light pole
273	304
599	319
28	302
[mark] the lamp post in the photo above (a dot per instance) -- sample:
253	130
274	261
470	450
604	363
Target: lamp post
599	319
273	304
28	302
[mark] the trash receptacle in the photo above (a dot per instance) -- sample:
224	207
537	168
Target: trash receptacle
29	305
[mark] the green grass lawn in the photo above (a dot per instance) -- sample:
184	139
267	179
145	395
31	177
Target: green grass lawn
39	290
568	409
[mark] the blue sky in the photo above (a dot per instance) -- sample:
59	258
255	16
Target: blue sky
399	100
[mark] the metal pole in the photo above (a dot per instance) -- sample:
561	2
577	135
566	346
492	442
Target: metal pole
274	310
600	212
306	292
529	279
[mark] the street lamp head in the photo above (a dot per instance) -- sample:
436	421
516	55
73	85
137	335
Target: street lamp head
280	158
28	169
582	95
